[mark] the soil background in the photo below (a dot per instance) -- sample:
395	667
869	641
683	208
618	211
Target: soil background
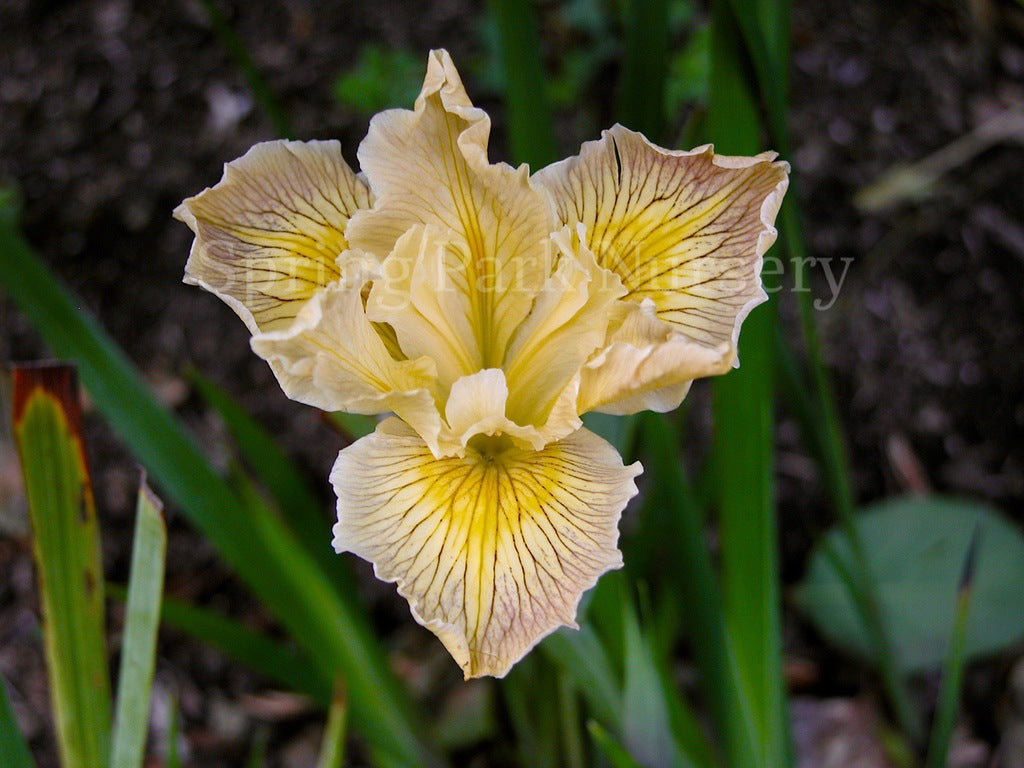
112	112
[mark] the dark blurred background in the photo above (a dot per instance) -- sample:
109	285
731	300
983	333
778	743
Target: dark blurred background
112	112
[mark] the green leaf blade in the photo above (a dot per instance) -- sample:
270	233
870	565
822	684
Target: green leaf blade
142	619
744	452
332	748
616	754
330	625
531	132
66	547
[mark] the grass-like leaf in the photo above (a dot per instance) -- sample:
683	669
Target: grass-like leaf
531	699
766	37
353	425
953	669
641	91
332	746
531	134
743	450
12	743
647	725
615	753
173	758
329	625
66	546
582	659
142	618
280	664
569	716
239	53
692	579
277	472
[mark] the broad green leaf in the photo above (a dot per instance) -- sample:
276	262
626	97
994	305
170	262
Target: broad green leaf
915	547
12	743
66	546
142	619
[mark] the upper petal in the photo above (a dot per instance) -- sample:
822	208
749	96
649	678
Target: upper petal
422	301
686	230
269	233
567	324
428	167
492	552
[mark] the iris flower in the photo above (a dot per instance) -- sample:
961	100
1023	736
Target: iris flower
487	310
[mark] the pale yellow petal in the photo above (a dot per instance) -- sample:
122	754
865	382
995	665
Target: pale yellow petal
477	406
418	298
492	551
333	358
567	325
268	235
686	230
428	167
647	365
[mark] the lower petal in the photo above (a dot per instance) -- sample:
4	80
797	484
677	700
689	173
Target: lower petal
492	551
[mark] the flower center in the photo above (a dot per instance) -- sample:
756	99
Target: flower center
490	446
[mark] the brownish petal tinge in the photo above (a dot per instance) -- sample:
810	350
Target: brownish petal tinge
269	234
686	230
